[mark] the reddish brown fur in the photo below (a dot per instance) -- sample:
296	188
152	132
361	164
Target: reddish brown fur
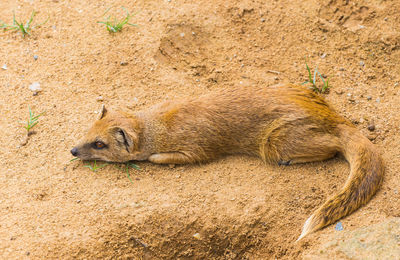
280	124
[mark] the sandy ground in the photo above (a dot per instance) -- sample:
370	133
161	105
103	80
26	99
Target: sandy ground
240	208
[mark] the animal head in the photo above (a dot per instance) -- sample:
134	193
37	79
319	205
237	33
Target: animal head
114	137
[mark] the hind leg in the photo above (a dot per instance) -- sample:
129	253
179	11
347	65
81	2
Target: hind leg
305	159
299	145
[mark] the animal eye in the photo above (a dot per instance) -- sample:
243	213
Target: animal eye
99	145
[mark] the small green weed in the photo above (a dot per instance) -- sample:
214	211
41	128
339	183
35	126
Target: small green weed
20	26
126	169
312	80
94	167
132	165
32	120
114	25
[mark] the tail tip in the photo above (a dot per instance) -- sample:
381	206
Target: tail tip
307	228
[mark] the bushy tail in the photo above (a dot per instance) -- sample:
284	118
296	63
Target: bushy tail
366	175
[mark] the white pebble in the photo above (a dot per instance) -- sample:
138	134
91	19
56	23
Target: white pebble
35	87
197	236
4	67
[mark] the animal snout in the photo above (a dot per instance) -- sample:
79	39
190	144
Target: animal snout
74	151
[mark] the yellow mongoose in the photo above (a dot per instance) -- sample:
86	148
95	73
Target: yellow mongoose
281	124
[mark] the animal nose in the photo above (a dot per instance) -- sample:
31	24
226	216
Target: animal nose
74	151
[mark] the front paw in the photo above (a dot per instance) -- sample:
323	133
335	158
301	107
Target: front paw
155	158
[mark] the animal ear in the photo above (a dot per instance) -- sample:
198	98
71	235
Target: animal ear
124	138
103	112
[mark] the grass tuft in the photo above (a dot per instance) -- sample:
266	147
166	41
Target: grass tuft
312	79
20	26
114	25
32	120
95	167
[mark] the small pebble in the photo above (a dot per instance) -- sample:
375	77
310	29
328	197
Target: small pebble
362	63
369	97
378	100
35	87
361	120
35	57
371	127
4	67
262	20
197	236
182	34
323	56
100	98
339	226
124	63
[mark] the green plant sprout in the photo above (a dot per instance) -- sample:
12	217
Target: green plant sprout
132	165
114	25
32	120
312	80
95	167
20	26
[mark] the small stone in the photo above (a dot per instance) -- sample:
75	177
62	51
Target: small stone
197	236
262	20
349	94
4	67
100	98
323	56
35	57
35	87
124	63
339	226
378	100
361	120
182	34
371	127
362	27
362	63
78	201
369	97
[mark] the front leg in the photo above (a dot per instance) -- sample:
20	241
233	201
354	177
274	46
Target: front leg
170	158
